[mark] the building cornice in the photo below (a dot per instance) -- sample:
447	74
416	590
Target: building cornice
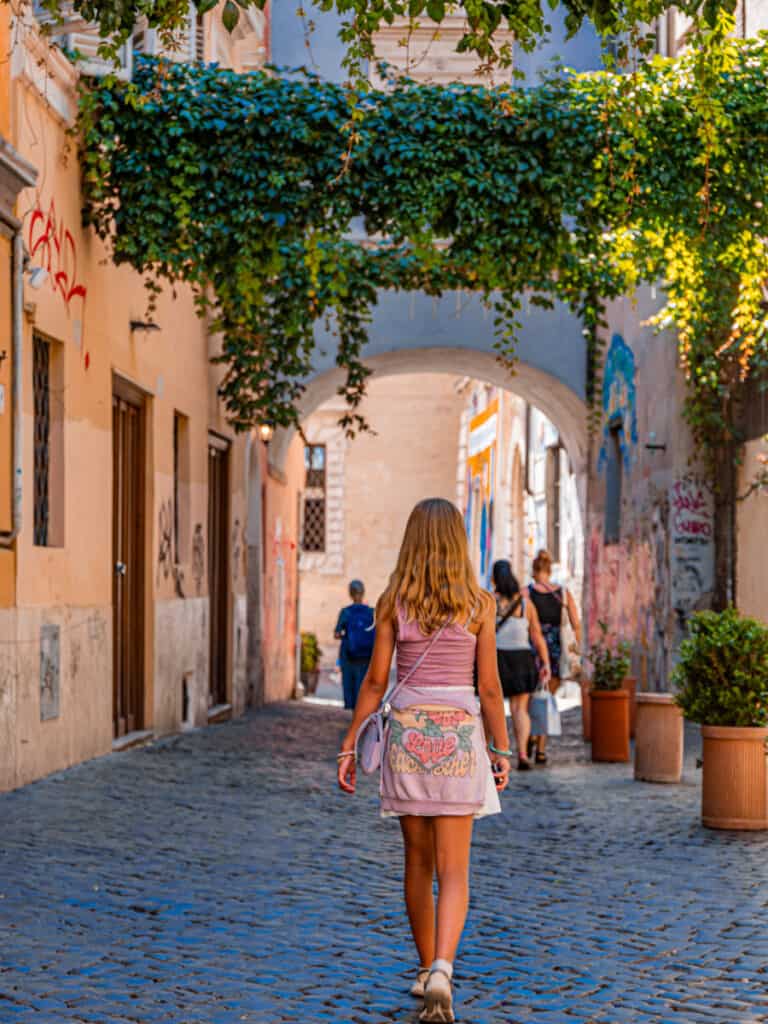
42	66
16	173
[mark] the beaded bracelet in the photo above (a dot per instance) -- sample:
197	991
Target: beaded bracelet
499	753
345	753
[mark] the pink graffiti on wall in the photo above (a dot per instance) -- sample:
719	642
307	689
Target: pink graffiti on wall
52	246
691	510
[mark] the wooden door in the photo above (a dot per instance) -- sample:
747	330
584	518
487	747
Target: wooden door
128	561
218	562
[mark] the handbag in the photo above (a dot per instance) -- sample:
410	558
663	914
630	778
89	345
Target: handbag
544	715
369	742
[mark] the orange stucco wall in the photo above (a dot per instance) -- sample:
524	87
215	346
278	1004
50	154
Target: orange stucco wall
281	539
84	309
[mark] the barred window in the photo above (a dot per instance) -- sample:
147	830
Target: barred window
313	534
314	524
41	387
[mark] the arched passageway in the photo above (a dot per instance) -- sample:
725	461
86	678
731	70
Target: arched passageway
558	401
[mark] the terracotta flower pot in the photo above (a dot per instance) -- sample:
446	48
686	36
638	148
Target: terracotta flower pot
659	738
735	786
630	685
610	725
586	712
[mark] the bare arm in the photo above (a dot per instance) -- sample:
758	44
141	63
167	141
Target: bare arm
537	637
374	685
573	617
488	683
372	691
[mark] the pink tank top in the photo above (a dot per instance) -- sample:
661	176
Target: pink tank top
450	662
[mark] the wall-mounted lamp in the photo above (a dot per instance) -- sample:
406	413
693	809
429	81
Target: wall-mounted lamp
652	444
266	430
37	276
144	325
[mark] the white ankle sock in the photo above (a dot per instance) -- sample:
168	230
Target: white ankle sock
443	965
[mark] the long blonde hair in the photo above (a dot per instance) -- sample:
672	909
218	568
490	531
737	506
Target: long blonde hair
434	581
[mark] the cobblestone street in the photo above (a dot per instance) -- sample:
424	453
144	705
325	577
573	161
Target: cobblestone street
218	876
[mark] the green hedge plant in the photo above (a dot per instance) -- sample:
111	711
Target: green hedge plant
722	674
610	661
310	652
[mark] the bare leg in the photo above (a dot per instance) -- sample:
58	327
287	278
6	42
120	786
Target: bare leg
419	839
453	836
521	723
554	686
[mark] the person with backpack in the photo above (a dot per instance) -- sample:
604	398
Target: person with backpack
443	753
355	629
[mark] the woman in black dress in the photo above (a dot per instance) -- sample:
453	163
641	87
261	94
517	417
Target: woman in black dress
517	627
549	601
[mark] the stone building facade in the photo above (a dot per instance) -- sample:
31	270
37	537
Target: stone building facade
370	486
500	460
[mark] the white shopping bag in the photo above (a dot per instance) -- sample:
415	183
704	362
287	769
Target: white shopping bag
568	695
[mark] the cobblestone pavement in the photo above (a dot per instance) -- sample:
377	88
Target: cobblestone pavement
218	877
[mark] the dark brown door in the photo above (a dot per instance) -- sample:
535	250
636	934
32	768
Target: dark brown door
218	562
128	562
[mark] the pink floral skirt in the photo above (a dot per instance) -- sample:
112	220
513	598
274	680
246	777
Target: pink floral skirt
435	756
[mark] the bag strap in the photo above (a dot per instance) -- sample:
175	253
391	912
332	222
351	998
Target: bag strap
510	612
389	697
554	592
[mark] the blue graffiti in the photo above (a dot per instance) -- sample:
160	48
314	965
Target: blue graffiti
619	401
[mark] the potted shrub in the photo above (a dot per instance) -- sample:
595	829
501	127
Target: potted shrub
310	662
609	700
722	678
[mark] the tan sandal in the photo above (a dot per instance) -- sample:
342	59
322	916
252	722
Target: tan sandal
417	988
438	998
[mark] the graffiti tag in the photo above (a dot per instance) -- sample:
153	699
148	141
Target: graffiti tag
165	545
198	556
52	246
691	510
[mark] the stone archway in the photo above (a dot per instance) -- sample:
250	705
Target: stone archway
559	402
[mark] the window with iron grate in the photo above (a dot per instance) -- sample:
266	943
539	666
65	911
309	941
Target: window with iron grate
41	387
48	442
313	533
200	38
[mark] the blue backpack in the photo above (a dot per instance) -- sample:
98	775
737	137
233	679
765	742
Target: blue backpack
359	632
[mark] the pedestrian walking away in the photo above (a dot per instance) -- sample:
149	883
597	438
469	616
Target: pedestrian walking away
438	771
355	629
517	629
552	602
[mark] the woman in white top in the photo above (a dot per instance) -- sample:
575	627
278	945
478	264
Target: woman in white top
517	627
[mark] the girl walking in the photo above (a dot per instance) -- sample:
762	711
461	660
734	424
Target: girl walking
436	771
517	628
549	600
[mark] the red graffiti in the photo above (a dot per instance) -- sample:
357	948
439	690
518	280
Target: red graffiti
52	246
692	515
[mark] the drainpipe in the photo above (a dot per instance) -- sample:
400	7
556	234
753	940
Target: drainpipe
7	538
254	595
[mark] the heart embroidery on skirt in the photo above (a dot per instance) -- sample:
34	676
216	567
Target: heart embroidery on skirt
430	750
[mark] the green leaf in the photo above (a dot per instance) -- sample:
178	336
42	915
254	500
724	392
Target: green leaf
230	15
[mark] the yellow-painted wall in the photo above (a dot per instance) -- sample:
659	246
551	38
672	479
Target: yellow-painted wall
84	309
